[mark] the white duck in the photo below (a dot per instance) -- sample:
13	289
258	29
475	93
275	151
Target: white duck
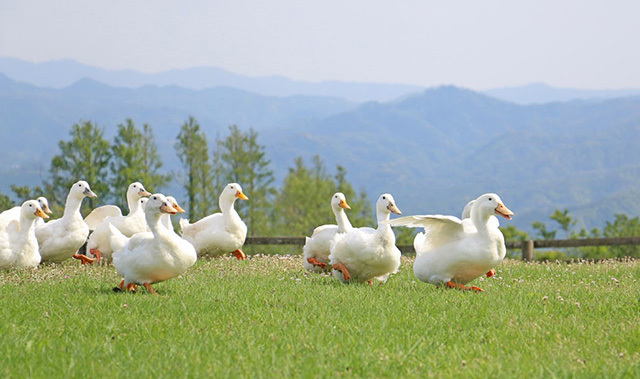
219	233
453	251
317	248
98	244
361	254
14	213
154	256
134	192
60	239
18	243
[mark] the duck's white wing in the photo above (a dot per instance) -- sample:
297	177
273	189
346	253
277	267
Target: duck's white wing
100	214
439	229
117	240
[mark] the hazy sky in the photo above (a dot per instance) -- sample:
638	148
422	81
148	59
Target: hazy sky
478	44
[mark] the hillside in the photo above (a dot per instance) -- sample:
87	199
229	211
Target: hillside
434	150
63	73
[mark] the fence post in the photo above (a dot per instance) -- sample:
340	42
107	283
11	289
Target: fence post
527	250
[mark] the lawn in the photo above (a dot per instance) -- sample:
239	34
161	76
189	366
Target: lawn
265	317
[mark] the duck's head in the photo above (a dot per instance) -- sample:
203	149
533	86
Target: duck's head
143	201
31	209
489	204
174	204
136	189
232	192
44	204
339	201
158	203
386	204
82	189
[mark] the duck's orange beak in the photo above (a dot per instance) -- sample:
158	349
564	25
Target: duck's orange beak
503	211
40	213
166	208
178	208
343	204
241	195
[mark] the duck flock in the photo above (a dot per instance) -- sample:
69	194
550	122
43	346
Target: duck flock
145	249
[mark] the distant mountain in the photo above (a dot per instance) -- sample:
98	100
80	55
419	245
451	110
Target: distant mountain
539	93
433	151
62	73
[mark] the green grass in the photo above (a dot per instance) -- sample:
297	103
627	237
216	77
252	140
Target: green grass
265	317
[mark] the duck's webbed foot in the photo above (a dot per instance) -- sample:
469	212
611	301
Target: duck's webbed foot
96	253
148	287
340	267
491	273
239	254
316	262
83	258
462	287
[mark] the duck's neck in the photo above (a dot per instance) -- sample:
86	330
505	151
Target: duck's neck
133	202
26	223
480	220
342	220
72	206
227	209
384	230
154	220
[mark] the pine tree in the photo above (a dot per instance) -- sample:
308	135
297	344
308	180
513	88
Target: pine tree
239	158
85	157
303	202
193	151
5	202
135	159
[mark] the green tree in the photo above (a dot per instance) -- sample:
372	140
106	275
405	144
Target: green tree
134	158
84	157
303	202
193	151
623	226
239	158
564	219
24	193
511	233
541	228
5	202
592	251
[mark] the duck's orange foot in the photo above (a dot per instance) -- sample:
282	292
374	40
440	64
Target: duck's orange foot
370	281
239	254
462	287
132	287
148	287
340	267
96	253
83	258
316	262
491	273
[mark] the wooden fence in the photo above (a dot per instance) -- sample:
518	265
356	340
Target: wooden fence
526	246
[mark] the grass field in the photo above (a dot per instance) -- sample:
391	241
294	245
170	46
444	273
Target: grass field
265	317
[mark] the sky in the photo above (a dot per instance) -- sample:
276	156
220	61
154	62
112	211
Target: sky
475	44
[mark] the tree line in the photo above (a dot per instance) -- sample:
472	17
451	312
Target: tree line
110	166
294	209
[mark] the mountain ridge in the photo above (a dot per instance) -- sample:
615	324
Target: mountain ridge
434	150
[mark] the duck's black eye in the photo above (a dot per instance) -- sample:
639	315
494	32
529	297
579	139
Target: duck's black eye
155	198
384	198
